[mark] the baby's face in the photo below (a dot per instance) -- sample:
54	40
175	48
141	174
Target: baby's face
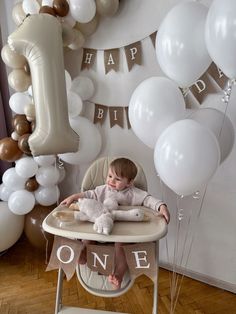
115	182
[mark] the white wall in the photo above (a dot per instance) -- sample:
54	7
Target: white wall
213	256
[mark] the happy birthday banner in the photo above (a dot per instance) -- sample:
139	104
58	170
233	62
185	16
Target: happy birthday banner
100	258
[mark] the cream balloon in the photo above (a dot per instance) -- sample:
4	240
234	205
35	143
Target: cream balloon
11	227
82	10
107	7
18	14
186	156
19	80
39	39
11	58
89	28
180	43
90	142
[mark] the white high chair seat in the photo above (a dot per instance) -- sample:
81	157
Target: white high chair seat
124	232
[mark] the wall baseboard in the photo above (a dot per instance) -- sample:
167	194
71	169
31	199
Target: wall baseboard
200	277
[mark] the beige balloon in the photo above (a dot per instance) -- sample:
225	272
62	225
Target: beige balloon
78	41
107	7
12	58
19	80
39	38
18	15
67	34
29	110
88	28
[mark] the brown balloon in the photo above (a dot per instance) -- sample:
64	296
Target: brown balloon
17	118
61	7
22	127
31	184
23	144
9	150
33	229
48	10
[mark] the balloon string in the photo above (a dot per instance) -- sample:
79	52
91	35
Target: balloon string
191	243
226	99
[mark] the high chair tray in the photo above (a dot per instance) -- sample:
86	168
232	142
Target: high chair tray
123	231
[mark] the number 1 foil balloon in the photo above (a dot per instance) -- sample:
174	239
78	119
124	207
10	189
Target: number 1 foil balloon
39	39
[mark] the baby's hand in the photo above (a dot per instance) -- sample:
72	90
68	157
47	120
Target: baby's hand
165	212
67	201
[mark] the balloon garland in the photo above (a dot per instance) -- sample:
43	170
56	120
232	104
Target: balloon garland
35	179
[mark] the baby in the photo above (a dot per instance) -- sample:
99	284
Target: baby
119	185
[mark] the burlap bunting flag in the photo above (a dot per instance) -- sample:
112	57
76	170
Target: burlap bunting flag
112	60
100	258
99	114
133	54
141	259
217	75
153	38
88	60
65	254
116	115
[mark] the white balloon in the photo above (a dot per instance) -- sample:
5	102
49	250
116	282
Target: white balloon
18	101
26	167
12	180
47	176
47	196
5	192
82	11
11	227
90	142
186	156
155	103
83	86
21	202
220	125
30	6
75	104
45	160
220	35
180	43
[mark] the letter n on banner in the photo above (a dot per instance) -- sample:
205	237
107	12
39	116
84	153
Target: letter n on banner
100	114
133	54
116	116
100	258
65	254
141	259
88	58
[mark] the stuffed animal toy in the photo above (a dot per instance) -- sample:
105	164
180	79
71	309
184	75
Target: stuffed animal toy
102	215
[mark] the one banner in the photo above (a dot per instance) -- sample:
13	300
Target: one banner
141	259
133	54
116	115
153	38
112	60
65	254
89	56
100	258
100	113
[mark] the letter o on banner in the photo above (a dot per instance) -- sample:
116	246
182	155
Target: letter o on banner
72	255
39	39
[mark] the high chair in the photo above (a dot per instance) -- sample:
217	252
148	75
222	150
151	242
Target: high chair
124	232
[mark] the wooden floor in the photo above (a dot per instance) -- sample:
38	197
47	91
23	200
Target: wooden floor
25	288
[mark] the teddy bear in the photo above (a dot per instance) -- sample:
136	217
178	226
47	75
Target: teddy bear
102	215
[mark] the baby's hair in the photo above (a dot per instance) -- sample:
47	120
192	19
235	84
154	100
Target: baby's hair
124	168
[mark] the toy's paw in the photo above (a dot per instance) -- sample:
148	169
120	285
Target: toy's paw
103	224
